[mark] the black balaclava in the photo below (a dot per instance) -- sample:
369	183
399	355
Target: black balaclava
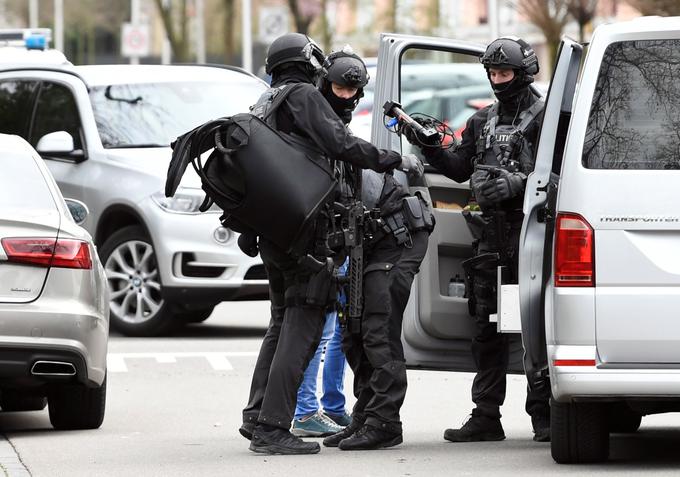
342	107
510	91
293	72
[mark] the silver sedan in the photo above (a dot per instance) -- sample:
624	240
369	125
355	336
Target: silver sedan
54	312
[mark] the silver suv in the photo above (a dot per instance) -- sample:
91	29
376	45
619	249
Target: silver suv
105	133
599	261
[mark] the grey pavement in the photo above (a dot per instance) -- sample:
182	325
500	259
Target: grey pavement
174	408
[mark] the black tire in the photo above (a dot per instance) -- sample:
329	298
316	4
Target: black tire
150	322
622	419
76	406
13	401
196	316
579	432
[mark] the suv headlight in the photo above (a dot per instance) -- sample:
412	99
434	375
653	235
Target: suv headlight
185	201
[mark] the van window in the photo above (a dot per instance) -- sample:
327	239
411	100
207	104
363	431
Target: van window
447	85
634	119
16	105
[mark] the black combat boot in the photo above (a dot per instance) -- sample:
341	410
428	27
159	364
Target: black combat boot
334	440
274	440
477	428
370	437
541	425
246	430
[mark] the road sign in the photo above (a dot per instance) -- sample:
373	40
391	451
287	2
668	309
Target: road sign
135	40
273	23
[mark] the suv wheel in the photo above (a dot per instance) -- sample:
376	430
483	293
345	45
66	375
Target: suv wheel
136	303
196	316
11	401
622	418
76	406
579	432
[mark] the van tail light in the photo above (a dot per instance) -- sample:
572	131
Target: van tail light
48	252
574	252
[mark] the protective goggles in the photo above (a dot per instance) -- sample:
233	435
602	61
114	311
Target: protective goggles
312	53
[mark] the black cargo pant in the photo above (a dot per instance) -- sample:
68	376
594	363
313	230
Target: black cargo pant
490	348
376	355
293	335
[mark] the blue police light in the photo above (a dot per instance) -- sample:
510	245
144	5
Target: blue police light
36	42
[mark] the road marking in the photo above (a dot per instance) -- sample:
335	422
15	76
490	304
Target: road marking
218	360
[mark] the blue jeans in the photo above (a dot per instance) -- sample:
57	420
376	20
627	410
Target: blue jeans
333	399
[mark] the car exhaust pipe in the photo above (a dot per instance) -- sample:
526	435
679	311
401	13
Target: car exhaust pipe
53	368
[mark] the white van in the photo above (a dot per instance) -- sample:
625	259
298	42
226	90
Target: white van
599	258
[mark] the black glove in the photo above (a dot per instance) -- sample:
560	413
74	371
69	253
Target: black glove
413	137
477	180
506	186
247	242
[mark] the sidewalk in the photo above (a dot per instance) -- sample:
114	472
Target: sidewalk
10	464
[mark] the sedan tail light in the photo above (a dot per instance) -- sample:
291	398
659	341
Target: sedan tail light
48	252
574	252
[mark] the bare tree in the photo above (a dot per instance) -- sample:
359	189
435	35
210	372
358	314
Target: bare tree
176	23
583	12
656	7
229	28
550	16
304	13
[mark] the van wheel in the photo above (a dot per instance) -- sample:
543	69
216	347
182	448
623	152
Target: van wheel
136	302
13	401
622	418
579	432
76	406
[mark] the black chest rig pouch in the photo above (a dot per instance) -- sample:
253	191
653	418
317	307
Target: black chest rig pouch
400	214
505	145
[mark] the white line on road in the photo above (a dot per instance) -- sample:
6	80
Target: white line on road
218	360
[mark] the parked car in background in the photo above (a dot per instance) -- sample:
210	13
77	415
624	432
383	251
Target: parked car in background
54	308
105	133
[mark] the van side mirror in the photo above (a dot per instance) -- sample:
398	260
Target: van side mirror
78	210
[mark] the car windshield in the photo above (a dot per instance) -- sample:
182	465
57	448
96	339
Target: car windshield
154	114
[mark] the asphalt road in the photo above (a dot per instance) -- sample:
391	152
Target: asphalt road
174	406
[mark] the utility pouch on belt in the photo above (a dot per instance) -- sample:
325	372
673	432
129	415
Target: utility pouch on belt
483	262
321	285
417	214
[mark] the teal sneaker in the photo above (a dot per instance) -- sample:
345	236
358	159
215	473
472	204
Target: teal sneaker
315	425
341	420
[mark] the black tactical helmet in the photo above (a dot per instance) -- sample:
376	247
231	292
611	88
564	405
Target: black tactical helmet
510	52
345	68
294	47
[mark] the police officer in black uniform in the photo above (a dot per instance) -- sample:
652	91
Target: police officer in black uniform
296	324
392	257
496	154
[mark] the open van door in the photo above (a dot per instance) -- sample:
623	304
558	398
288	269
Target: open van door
437	328
536	239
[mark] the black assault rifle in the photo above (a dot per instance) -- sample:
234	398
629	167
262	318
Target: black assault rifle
354	218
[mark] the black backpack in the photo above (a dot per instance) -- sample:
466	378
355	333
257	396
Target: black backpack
267	182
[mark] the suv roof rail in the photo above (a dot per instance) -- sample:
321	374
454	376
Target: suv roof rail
30	38
238	69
